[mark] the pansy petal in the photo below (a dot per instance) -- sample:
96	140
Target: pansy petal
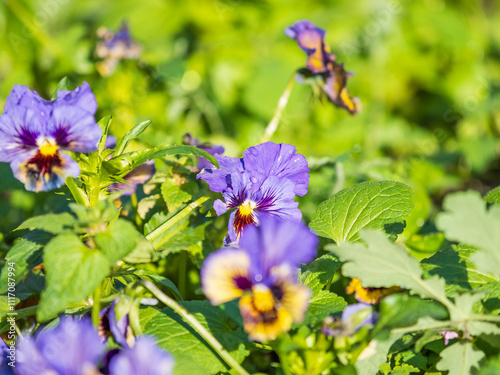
138	176
145	357
81	97
275	197
220	207
74	129
311	40
39	173
22	96
19	130
280	160
224	275
221	179
78	340
292	296
29	359
277	242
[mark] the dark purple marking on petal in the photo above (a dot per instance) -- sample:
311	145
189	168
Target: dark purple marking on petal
243	282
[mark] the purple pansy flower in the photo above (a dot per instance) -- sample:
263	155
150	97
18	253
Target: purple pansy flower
144	358
328	74
119	328
263	183
188	139
353	318
33	131
311	40
72	348
262	272
137	176
114	47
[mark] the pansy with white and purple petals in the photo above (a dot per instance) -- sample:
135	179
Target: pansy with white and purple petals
34	131
262	273
262	183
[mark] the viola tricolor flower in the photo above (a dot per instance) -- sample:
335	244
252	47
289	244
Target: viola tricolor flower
263	183
330	76
114	47
137	176
34	131
119	328
145	357
353	318
369	295
188	139
73	347
262	272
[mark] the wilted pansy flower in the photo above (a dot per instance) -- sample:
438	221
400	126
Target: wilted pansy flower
330	76
369	295
114	47
119	328
353	318
263	183
137	176
144	358
72	348
262	272
34	131
188	139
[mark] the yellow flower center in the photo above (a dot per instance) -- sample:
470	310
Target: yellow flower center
263	299
48	149
246	208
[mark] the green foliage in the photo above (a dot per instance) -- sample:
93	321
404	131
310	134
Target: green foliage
467	220
370	205
460	358
191	353
73	272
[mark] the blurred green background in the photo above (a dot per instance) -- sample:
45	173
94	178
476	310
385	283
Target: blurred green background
427	74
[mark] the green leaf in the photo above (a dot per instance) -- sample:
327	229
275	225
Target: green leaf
192	355
104	123
372	205
460	358
73	271
452	264
131	135
493	196
176	195
402	310
51	223
492	367
467	220
374	355
322	304
62	85
119	239
317	274
385	264
150	275
26	254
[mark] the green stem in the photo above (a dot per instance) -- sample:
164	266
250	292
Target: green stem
138	220
77	193
285	365
339	183
174	220
282	102
197	326
96	306
182	273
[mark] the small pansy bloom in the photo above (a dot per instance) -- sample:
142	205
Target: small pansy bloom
114	47
120	329
353	318
369	295
72	348
262	273
34	131
262	183
328	74
144	358
188	139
